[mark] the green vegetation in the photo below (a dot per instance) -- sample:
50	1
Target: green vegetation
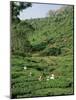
44	46
16	7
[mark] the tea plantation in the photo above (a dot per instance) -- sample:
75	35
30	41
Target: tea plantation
39	48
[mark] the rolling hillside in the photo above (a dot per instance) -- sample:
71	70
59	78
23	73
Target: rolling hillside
39	48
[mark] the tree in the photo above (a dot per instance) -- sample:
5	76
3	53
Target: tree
19	37
51	13
16	7
19	29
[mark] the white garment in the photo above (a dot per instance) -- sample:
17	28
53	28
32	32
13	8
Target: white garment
25	67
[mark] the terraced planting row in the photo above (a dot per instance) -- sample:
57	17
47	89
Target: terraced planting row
24	84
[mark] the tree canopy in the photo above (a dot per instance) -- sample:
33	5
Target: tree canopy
16	7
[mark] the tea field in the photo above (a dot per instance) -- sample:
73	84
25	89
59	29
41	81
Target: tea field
42	55
25	84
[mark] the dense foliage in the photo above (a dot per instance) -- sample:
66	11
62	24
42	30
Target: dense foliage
16	7
49	36
44	46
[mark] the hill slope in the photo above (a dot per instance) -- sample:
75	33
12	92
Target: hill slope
44	46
